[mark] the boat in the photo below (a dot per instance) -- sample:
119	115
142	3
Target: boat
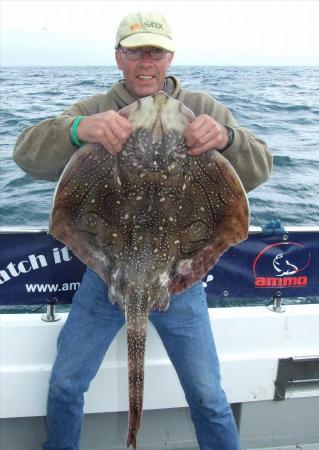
269	353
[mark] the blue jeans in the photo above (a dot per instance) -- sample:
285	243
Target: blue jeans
186	333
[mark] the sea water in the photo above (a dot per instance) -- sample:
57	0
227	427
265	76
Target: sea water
279	104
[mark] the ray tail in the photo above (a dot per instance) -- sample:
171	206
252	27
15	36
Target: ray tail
136	317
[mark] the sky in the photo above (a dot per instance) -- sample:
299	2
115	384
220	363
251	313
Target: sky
212	32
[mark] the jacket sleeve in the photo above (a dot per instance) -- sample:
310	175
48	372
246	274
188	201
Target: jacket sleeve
248	154
43	150
250	157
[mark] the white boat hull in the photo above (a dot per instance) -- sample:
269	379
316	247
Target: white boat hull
250	341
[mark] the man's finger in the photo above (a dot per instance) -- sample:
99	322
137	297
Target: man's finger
120	131
124	124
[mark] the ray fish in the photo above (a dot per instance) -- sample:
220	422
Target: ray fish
150	221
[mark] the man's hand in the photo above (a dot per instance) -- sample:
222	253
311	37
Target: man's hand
108	129
203	134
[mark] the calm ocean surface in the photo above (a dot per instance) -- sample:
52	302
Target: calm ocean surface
279	104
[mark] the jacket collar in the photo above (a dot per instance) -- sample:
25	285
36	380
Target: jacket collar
122	97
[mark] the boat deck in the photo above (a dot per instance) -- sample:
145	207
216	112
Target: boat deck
108	431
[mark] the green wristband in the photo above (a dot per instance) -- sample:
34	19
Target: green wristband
74	128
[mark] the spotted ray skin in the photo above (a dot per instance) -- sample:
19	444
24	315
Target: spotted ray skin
151	221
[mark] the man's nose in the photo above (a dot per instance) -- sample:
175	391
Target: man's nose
146	56
146	63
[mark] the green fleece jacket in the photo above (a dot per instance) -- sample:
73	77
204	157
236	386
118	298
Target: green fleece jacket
44	149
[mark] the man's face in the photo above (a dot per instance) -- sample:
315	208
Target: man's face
144	76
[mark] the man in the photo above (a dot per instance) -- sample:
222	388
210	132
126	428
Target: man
144	52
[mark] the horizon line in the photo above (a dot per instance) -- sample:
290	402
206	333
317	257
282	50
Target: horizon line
172	68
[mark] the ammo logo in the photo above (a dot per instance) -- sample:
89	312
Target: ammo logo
282	265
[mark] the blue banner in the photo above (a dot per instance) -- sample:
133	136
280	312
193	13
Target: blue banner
36	269
262	266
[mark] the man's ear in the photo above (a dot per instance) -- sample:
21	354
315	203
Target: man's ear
170	57
118	58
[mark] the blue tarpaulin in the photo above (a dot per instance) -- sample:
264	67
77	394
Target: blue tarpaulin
35	268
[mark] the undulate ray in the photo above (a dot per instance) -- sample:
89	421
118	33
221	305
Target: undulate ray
151	221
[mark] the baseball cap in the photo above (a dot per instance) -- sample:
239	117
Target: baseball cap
139	29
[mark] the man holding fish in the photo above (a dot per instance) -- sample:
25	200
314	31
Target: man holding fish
144	52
